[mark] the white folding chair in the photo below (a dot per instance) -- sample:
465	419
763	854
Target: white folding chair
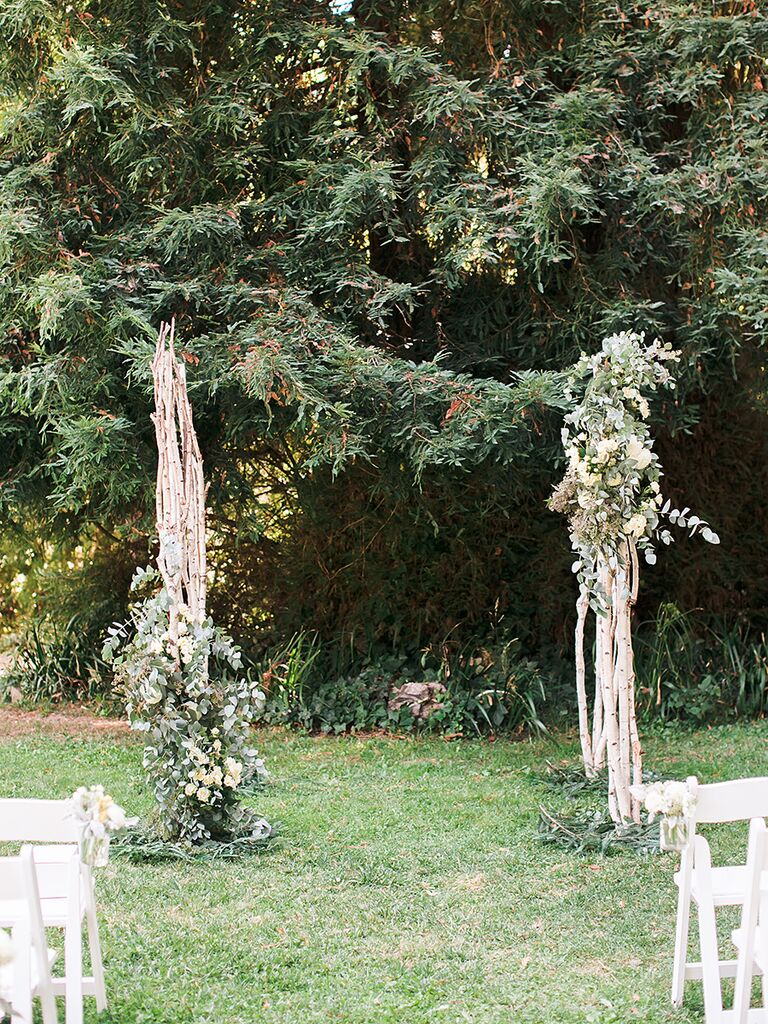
29	973
66	892
711	887
751	938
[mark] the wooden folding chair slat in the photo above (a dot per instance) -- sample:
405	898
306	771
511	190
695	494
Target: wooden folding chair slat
710	887
29	974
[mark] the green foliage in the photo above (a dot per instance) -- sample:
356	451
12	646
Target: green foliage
487	692
368	224
596	833
696	675
56	663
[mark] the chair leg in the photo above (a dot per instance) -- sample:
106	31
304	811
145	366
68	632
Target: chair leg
681	946
48	1005
21	992
97	964
710	963
73	971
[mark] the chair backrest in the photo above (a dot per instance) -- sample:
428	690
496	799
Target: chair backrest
18	885
37	821
737	800
752	912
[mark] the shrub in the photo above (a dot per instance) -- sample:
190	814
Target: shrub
486	692
695	672
57	662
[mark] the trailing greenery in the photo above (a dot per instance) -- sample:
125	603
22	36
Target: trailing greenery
145	846
370	222
596	832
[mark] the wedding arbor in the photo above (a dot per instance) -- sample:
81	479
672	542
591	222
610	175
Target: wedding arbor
181	675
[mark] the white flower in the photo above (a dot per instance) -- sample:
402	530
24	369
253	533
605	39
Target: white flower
638	454
606	450
230	782
203	795
190	789
116	817
671	799
636	526
7	951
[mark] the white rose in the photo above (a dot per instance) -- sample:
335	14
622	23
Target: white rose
638	454
203	795
190	789
636	526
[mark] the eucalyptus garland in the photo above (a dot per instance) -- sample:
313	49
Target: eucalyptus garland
191	701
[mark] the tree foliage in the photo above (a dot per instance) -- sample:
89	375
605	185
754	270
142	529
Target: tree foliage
370	221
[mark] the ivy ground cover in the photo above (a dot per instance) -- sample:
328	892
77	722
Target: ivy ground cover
408	885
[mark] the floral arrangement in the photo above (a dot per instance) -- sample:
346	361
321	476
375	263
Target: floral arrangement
99	817
611	496
190	699
675	802
611	489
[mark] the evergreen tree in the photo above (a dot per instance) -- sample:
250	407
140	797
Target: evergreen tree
369	221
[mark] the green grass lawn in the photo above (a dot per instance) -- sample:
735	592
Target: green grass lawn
407	886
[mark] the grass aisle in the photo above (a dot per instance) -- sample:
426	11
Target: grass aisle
407	887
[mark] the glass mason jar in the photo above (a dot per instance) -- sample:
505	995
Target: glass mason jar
94	850
673	833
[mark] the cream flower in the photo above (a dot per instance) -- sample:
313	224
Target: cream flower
636	526
203	795
116	816
638	454
605	451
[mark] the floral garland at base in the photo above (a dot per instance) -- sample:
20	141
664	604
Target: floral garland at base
189	698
